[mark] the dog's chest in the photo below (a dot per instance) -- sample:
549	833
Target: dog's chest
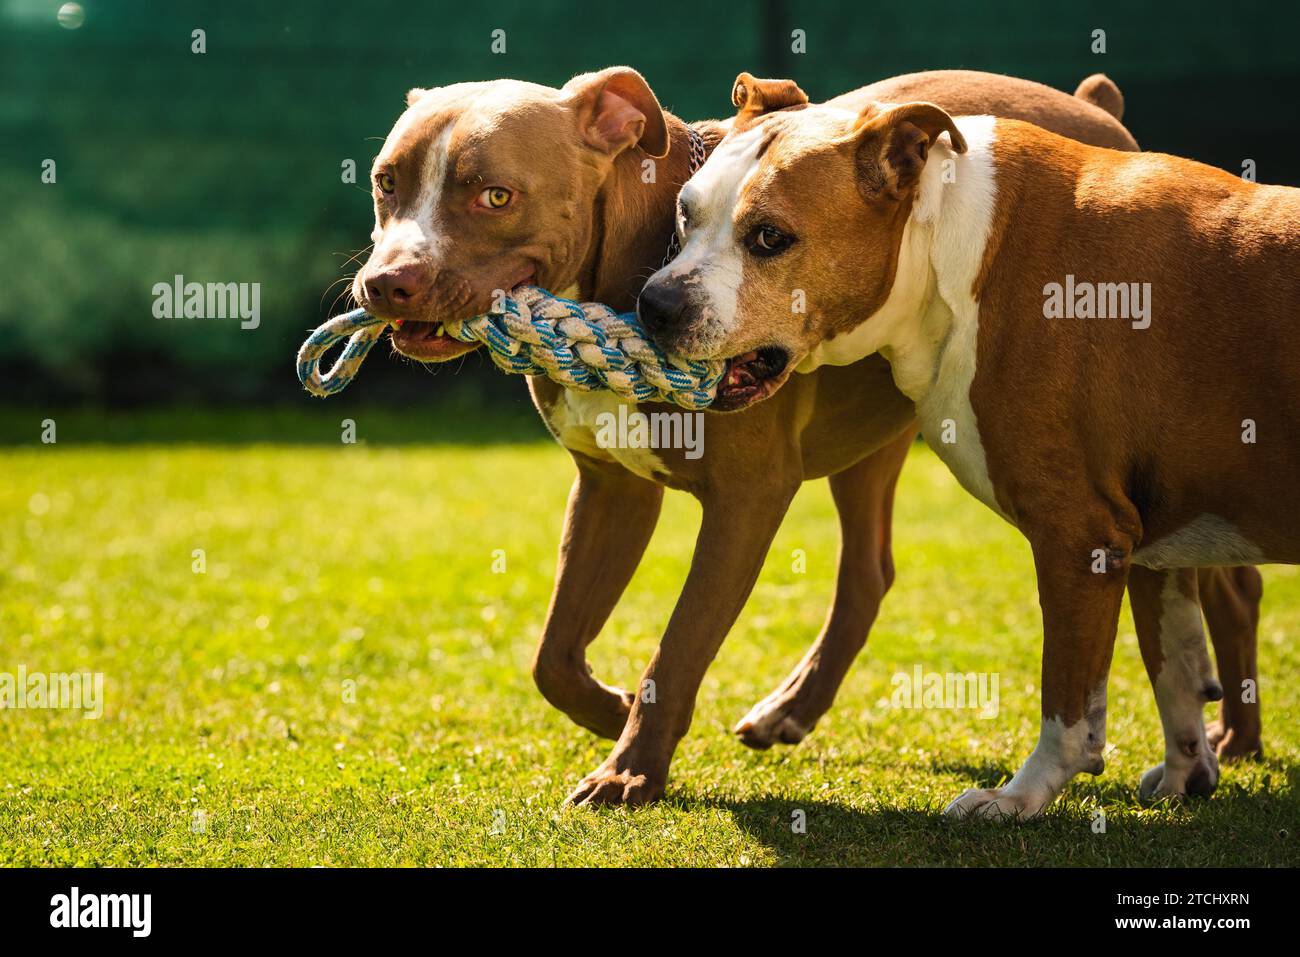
949	426
944	409
944	348
581	422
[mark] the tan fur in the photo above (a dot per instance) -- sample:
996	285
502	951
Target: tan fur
971	93
588	218
1223	258
1100	91
1098	437
752	96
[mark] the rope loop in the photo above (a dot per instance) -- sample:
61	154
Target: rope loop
582	346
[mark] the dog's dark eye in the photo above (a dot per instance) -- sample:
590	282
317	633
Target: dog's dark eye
767	241
683	217
385	182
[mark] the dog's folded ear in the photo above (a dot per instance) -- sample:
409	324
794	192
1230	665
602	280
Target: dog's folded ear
753	97
893	144
617	110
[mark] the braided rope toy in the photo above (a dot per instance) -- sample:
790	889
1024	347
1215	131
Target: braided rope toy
582	346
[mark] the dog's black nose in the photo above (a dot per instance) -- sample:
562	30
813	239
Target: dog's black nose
662	307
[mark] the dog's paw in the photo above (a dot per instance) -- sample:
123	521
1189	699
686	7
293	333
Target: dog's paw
996	804
1197	777
609	785
1230	744
770	722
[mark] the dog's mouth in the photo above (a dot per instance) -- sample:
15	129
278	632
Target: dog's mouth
751	377
427	341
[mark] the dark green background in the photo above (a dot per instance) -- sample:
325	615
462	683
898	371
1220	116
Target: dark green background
226	166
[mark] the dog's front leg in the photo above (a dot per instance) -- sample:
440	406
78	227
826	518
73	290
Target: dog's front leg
609	520
1081	581
735	532
1168	619
864	498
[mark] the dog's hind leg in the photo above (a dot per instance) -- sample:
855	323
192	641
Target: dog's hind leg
1230	598
1082	548
864	498
1168	619
609	520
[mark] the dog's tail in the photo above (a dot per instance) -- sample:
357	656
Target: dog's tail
1100	90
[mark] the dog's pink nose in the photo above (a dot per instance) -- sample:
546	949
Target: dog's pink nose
397	287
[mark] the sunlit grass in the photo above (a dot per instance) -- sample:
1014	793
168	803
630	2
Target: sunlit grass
325	566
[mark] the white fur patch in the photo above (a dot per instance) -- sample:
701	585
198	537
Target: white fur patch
711	261
928	327
1206	540
574	418
959	216
1180	688
420	234
432	183
929	324
1062	752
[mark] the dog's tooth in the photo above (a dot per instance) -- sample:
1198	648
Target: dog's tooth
437	330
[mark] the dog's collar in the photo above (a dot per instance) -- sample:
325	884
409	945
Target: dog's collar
699	153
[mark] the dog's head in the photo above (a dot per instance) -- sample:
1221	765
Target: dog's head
791	233
482	186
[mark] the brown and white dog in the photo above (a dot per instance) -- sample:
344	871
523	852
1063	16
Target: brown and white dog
1150	432
480	186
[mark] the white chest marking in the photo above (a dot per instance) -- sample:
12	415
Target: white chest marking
928	327
937	362
574	419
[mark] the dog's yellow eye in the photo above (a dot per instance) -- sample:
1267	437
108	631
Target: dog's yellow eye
495	197
385	182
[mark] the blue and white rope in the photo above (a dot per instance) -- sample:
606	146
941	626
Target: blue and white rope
582	346
360	329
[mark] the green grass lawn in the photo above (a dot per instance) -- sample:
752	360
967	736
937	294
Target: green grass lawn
372	564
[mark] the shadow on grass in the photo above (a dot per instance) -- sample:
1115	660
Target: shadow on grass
1237	827
986	774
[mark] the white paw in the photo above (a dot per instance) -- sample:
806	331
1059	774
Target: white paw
769	722
997	804
1198	776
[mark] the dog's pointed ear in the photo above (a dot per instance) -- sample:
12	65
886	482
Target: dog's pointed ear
753	97
894	142
617	110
